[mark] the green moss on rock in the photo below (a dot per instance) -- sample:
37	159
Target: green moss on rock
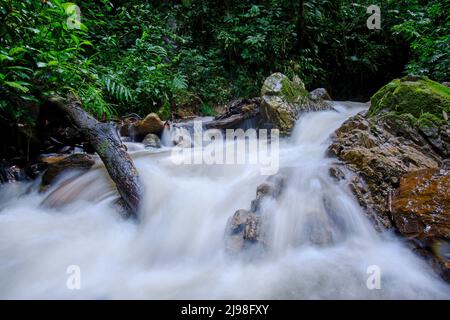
429	120
293	92
279	85
413	95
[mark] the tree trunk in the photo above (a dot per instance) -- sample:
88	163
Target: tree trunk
105	140
300	25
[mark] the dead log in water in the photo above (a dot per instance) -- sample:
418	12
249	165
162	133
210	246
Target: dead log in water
103	137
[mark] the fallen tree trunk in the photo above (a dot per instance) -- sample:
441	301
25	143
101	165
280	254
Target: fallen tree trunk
103	137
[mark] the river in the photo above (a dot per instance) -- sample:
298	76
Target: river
177	250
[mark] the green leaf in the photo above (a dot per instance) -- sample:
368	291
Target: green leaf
20	68
17	85
34	30
5	57
16	50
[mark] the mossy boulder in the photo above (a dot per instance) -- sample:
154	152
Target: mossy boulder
283	100
414	95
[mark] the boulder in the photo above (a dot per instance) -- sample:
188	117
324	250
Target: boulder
283	100
243	229
421	204
246	227
421	212
150	124
394	156
415	95
57	164
139	128
319	93
151	140
379	151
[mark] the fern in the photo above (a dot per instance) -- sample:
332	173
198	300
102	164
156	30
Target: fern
157	50
117	89
94	101
179	82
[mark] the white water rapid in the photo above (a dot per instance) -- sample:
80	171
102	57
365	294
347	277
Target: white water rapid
177	251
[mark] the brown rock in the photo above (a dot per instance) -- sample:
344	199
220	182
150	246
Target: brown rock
336	172
150	124
57	164
397	180
245	227
421	205
379	151
421	212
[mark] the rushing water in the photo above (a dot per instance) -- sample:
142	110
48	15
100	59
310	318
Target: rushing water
177	248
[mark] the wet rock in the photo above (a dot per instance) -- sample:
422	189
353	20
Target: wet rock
239	114
252	228
235	230
336	173
137	129
11	173
438	137
282	101
150	124
57	164
421	212
320	94
152	141
319	234
380	150
394	162
421	205
270	189
246	228
236	223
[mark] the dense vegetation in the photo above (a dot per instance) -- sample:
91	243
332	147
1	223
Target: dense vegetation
129	56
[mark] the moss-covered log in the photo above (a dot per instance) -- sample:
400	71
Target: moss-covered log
105	140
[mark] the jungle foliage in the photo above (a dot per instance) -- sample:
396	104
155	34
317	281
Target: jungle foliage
129	56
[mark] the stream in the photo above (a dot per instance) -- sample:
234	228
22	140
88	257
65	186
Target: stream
177	251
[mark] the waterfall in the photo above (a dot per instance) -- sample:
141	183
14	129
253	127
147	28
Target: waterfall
320	243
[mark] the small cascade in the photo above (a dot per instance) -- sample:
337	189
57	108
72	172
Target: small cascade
319	244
